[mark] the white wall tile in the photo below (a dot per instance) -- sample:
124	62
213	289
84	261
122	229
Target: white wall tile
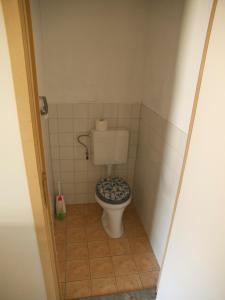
67	177
134	124
133	138
79	152
112	123
54	152
80	188
52	110
94	176
67	188
66	152
53	125
156	174
131	163
81	198
91	123
66	165
95	110
80	125
56	177
110	110
124	123
132	151
120	167
69	198
65	125
124	110
91	188
81	177
54	139
91	198
135	110
55	165
66	139
80	165
65	110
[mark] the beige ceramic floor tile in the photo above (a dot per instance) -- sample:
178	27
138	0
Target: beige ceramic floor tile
131	217
128	282
134	231
77	270
61	251
146	262
92	219
60	236
62	271
139	245
130	208
149	279
101	267
75	209
59	224
95	232
78	289
75	221
103	286
93	208
76	234
124	265
98	249
119	246
62	288
77	251
85	237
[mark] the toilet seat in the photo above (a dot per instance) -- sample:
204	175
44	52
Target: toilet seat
113	194
113	190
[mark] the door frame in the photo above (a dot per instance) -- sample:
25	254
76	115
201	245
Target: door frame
18	24
20	41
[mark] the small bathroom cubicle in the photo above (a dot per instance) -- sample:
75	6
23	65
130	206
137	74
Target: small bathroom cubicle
119	80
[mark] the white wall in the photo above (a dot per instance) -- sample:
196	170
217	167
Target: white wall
175	41
195	263
170	81
21	272
162	41
93	50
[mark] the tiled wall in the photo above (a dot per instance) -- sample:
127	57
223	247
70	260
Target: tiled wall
159	159
78	176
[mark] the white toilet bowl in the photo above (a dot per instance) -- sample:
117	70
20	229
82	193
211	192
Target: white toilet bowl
113	194
112	217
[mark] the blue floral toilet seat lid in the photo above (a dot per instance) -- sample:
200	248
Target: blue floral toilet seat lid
113	190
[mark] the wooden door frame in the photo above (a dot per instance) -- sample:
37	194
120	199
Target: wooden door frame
17	19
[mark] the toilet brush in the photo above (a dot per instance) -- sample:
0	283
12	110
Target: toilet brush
60	204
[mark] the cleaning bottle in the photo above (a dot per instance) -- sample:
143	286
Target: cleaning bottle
60	204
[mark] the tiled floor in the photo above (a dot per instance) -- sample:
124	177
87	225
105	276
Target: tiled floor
92	264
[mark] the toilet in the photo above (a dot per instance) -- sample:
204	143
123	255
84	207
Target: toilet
113	194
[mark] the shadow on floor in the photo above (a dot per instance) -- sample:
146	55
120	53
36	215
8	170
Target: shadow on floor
145	294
